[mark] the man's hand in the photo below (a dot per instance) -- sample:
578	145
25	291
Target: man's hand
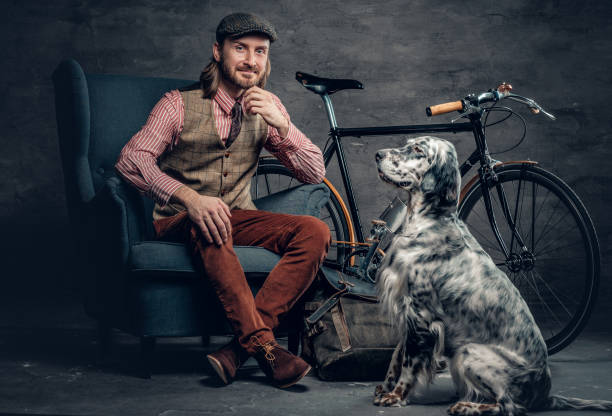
258	101
210	214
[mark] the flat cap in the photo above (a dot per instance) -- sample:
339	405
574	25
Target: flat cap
240	24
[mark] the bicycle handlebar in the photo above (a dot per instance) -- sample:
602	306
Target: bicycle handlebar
472	102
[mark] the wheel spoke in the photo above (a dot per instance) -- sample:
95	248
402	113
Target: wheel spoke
552	292
549	249
531	282
543	232
552	227
534	214
267	184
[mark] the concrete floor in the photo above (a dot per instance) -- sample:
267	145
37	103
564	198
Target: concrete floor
48	367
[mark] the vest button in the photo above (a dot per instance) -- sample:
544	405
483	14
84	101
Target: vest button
224	173
227	154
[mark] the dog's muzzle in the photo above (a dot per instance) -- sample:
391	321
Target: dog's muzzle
385	178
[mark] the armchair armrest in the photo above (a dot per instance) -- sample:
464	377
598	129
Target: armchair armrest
117	215
299	200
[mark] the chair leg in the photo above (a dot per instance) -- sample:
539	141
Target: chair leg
147	346
296	322
294	342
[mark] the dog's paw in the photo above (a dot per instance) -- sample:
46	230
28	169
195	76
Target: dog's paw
391	399
473	409
379	394
460	409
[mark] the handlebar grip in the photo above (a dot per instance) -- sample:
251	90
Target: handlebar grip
435	110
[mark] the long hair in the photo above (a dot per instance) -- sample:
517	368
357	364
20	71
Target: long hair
213	72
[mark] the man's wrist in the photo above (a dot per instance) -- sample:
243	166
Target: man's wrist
183	195
290	143
284	131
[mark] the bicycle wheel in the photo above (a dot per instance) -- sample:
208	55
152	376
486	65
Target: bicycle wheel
273	177
558	276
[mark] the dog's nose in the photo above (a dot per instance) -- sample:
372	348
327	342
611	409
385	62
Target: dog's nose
379	156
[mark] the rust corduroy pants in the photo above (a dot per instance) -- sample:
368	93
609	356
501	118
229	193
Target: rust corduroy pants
302	241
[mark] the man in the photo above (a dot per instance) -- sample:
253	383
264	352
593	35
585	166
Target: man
195	157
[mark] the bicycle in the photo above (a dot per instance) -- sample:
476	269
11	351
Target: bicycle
530	222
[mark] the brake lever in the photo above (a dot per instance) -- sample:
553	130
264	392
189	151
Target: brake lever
531	104
539	109
460	116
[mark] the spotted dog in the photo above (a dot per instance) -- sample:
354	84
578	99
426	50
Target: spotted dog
450	300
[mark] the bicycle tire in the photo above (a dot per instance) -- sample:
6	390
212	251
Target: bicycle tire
560	290
272	176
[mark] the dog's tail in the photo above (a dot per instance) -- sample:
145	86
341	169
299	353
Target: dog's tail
566	403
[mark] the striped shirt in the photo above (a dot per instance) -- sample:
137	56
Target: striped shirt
137	162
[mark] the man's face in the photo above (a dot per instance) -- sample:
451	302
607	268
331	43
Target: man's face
243	60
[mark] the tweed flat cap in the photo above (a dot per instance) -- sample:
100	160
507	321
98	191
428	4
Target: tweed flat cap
240	24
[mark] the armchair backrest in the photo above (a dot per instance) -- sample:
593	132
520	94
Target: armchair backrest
96	116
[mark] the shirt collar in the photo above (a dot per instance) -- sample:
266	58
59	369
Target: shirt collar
225	101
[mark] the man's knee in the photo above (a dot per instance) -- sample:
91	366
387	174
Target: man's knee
198	240
317	231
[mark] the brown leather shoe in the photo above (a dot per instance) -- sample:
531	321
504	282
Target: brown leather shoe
227	360
282	368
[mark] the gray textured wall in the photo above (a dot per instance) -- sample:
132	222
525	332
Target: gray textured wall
408	54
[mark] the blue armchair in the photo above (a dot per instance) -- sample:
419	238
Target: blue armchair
131	282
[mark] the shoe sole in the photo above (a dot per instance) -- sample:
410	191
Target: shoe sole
284	386
216	365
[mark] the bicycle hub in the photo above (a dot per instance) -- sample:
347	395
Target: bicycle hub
525	261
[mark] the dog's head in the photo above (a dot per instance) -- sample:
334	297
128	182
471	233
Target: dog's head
425	164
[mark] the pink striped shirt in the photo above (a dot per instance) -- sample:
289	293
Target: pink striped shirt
137	162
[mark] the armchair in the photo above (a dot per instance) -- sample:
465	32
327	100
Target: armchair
132	282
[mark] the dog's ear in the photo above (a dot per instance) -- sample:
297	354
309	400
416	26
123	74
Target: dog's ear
441	181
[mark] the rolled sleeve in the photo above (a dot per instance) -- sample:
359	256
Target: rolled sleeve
137	163
162	189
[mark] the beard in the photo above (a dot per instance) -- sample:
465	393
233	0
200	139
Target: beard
230	75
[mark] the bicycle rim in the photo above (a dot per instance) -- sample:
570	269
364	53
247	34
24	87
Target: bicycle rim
273	177
561	284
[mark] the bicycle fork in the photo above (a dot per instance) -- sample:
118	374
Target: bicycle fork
487	178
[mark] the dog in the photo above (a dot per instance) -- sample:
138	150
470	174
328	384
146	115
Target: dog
448	298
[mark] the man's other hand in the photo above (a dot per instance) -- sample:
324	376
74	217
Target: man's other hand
258	101
210	214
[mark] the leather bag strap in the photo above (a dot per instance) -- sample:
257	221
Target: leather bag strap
326	306
342	330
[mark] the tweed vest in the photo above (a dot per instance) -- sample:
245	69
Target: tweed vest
202	162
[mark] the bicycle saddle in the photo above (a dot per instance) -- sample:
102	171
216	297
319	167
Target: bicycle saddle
326	85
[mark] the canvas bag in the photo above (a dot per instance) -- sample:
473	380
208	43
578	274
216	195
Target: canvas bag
347	337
